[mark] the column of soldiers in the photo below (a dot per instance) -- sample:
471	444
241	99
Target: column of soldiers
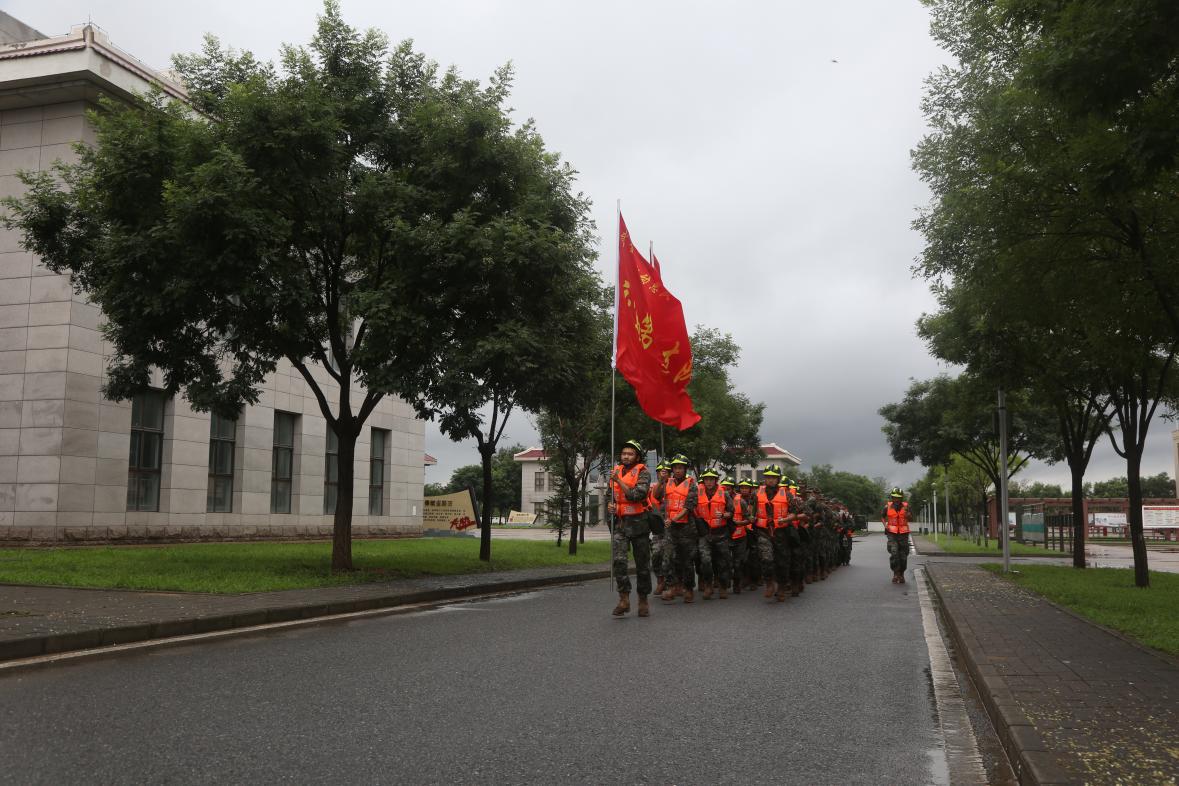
731	537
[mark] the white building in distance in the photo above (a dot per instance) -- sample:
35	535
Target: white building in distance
76	466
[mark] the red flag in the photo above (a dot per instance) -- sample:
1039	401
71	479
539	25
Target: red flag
652	349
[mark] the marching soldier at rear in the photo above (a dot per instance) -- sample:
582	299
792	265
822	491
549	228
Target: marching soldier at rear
714	509
660	551
630	483
678	496
743	516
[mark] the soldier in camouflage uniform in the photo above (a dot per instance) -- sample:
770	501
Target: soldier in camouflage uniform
822	536
660	561
895	518
813	507
678	497
776	507
714	514
743	515
762	547
630	483
847	533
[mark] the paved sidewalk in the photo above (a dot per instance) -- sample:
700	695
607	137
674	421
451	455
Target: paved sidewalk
1071	702
44	620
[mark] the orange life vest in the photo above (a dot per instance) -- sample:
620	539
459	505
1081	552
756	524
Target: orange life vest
711	510
739	504
898	520
741	524
675	499
781	503
627	479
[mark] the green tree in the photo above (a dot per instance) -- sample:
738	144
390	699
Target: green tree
1054	193
1154	486
524	263
863	496
505	480
572	433
351	208
435	489
947	416
468	476
1036	489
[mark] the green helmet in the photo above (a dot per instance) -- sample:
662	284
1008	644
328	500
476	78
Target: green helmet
772	471
728	482
662	465
678	458
749	484
634	443
709	473
896	493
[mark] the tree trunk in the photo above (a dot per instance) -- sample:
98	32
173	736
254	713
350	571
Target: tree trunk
1079	523
1134	514
575	519
342	519
486	454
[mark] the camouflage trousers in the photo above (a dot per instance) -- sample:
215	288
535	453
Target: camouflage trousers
716	558
682	539
823	559
898	552
740	550
763	553
660	554
807	560
631	533
788	555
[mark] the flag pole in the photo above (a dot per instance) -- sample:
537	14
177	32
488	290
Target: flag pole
651	259
614	365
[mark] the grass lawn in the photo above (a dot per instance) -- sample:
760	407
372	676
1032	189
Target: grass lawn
959	544
1108	596
257	567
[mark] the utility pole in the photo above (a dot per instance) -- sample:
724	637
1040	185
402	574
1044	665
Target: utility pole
946	490
935	509
1006	539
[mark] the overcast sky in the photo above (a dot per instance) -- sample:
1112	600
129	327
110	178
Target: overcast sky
774	182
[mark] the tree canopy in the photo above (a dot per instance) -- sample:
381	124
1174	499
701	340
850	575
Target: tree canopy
352	208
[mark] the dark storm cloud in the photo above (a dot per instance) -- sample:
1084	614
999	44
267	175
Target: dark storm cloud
775	183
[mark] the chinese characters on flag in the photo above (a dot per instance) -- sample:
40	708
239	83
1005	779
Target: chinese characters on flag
652	351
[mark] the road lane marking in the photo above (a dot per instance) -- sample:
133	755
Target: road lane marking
961	748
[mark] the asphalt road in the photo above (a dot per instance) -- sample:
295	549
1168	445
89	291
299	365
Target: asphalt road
544	687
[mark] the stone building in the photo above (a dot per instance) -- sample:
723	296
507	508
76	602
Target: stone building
76	466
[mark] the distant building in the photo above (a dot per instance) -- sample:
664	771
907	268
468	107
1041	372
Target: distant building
772	453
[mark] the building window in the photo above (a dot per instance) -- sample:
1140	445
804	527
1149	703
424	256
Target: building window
590	514
147	451
331	472
746	474
539	481
282	462
376	472
221	445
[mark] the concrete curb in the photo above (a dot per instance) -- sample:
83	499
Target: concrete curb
1022	742
95	638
